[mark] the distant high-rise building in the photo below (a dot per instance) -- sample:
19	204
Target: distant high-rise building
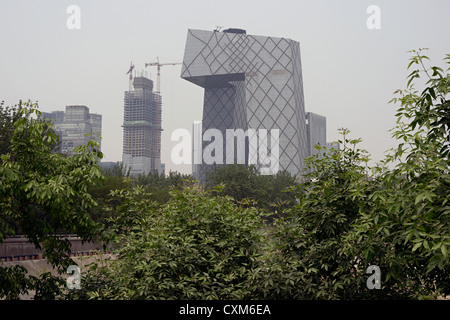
142	128
54	116
316	131
76	126
251	83
96	124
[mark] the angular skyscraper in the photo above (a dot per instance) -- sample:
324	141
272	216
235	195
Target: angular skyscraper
251	83
142	128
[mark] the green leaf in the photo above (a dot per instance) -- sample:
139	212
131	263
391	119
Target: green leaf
416	246
436	246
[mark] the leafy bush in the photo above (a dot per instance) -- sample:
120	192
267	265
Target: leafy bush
268	192
408	233
307	243
196	246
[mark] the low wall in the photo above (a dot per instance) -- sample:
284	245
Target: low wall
19	248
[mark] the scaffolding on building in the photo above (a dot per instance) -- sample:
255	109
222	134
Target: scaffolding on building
142	125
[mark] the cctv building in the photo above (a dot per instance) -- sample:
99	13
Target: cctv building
250	82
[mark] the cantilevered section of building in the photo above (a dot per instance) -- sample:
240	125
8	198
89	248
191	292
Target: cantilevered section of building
142	128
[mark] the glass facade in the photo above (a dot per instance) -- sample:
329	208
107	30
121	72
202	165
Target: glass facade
76	126
250	82
316	130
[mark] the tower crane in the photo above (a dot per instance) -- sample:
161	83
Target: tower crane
159	65
130	71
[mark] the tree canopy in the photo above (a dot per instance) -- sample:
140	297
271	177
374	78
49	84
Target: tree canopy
214	241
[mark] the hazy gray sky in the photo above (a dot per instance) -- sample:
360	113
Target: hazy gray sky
349	71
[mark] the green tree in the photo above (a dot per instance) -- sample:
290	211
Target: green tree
8	115
44	193
304	260
196	246
408	234
102	194
270	192
159	185
240	181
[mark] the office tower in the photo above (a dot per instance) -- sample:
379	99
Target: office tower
96	125
142	128
54	116
251	83
316	131
76	126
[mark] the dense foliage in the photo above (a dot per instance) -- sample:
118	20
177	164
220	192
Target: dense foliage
268	192
196	246
8	115
174	239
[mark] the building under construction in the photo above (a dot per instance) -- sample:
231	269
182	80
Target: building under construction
142	128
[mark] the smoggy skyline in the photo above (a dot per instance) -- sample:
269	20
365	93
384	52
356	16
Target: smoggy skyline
349	70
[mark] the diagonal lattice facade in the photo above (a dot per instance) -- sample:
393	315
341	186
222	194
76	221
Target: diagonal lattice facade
250	82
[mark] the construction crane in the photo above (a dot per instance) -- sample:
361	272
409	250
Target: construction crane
159	65
130	71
